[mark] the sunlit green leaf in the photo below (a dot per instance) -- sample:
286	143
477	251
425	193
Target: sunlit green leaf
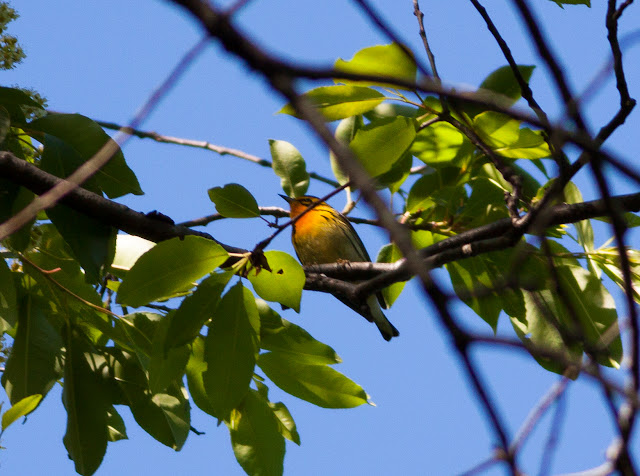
345	132
504	135
289	165
391	109
20	409
339	102
283	283
383	60
129	248
397	175
379	144
170	267
390	254
594	307
502	85
317	384
287	425
234	201
438	143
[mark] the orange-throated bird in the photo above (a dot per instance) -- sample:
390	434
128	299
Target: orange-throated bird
324	235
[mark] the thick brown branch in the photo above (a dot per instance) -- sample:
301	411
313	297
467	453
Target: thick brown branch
107	211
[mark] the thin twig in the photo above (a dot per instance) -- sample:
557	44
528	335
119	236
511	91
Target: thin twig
200	144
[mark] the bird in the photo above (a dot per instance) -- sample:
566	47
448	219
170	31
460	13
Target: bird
324	235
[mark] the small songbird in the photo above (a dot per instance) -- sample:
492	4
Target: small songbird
324	235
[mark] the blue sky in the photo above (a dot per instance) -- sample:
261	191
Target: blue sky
102	59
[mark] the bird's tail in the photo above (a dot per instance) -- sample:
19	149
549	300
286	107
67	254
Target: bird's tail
384	326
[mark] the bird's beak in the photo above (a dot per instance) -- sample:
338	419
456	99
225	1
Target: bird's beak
288	199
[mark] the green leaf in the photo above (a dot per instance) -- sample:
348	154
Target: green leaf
195	368
129	249
87	138
379	144
8	302
345	132
594	307
585	231
230	351
502	82
165	367
530	185
283	283
289	165
438	143
59	158
608	259
169	268
196	310
12	99
165	416
392	109
234	201
115	426
572	2
480	283
486	203
548	320
255	436
504	135
317	384
280	335
92	242
5	123
383	60
138	330
583	228
442	188
339	102
390	254
33	364
631	219
287	425
538	330
397	175
85	401
20	409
